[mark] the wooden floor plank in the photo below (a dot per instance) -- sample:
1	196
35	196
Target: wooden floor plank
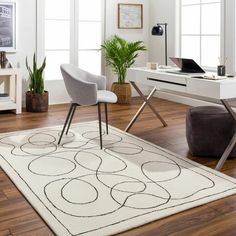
18	218
44	231
5	233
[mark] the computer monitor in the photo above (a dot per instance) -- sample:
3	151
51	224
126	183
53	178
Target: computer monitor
187	65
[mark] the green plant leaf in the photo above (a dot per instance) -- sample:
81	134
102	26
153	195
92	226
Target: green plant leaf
35	81
121	54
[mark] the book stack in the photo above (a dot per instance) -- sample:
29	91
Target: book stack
4	97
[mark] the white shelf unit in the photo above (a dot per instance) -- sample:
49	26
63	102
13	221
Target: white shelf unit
11	83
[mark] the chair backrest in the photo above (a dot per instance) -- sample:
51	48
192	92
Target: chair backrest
79	86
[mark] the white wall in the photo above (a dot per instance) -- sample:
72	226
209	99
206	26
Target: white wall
26	35
155	11
57	90
129	34
26	41
229	35
163	11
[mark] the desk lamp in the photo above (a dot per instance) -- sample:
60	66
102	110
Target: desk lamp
158	31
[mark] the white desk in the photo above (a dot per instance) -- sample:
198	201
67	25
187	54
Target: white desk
221	90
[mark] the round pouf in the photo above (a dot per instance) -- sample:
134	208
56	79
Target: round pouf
209	130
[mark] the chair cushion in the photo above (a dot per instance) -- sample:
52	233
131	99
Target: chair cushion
209	130
106	96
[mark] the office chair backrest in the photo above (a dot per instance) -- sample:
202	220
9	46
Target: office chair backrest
80	85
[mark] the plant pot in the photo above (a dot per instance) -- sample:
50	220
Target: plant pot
36	102
122	91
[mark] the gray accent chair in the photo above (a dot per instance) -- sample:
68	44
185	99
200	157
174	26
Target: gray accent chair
209	130
85	89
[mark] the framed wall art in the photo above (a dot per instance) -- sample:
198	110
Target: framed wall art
130	16
7	26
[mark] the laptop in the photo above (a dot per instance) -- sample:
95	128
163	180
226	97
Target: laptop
187	66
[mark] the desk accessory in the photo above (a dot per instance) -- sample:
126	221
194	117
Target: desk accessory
187	65
210	77
152	65
3	59
3	56
221	70
157	30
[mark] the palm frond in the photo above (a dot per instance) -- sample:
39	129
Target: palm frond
121	54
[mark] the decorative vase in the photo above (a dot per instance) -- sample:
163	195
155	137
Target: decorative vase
122	91
36	102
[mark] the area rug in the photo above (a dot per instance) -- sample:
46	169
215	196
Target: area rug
79	189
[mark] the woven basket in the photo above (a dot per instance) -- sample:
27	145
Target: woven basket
122	91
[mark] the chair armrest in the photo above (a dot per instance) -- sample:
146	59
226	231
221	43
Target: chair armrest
100	80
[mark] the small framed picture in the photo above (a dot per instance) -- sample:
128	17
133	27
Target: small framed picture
8	26
130	16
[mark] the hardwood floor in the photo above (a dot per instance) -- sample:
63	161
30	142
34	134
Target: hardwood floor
18	218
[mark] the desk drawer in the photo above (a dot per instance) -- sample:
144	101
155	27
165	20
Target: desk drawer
158	79
170	85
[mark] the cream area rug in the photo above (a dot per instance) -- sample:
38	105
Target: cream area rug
79	189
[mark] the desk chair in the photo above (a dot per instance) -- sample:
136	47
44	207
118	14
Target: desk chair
85	89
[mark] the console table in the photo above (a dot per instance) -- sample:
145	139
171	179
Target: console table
11	86
222	90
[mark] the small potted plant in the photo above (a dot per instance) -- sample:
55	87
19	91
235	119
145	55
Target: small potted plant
36	97
120	55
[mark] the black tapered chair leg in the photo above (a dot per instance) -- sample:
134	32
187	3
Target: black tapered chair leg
100	124
67	119
106	116
71	117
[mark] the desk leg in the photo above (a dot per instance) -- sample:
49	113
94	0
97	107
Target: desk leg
232	141
146	102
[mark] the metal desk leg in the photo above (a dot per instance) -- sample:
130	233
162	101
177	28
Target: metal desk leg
146	102
232	141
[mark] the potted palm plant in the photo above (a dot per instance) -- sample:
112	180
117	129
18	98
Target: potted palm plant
36	97
120	55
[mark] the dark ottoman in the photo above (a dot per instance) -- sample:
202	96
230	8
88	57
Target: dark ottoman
209	130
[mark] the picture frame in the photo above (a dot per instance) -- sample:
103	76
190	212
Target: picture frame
8	26
130	16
